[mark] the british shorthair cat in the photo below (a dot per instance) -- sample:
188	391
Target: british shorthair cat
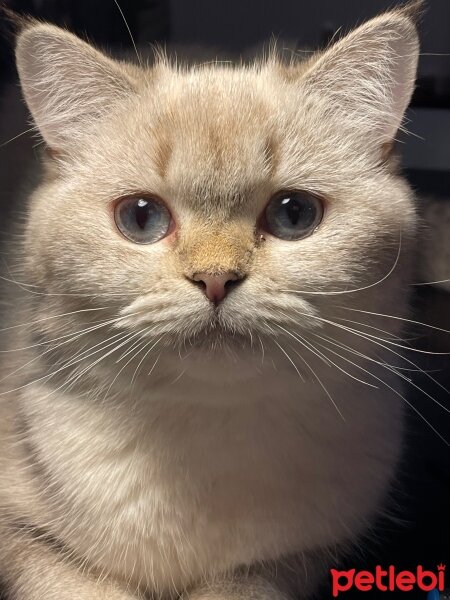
196	397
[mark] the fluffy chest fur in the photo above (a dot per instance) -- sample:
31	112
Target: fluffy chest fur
200	488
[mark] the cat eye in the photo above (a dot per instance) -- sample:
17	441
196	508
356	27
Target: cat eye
293	215
142	220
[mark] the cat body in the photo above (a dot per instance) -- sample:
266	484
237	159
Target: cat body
170	520
159	437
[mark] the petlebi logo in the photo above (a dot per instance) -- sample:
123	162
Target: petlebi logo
389	580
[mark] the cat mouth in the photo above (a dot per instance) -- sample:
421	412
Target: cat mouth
218	335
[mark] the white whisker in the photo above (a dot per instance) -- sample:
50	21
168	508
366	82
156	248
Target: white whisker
290	360
367	312
386	366
360	289
129	31
397	393
314	373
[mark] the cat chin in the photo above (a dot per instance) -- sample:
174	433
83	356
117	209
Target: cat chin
216	358
201	367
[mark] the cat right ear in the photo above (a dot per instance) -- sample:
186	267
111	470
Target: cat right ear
365	80
67	83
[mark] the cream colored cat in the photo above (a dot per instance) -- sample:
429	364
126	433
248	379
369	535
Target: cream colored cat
190	403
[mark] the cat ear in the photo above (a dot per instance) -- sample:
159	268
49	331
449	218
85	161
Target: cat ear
67	84
366	79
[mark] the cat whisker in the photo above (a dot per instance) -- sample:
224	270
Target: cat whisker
78	358
314	351
373	337
152	346
345	372
23	286
263	352
51	318
118	337
129	32
387	366
136	348
430	282
117	344
178	377
360	289
154	364
378	343
68	338
411	321
397	393
30	130
298	339
138	342
392	335
290	360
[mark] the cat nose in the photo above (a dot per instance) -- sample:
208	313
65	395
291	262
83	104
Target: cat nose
217	286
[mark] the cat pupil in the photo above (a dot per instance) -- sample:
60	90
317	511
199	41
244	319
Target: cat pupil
293	211
141	214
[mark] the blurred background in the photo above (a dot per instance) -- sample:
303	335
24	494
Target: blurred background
421	532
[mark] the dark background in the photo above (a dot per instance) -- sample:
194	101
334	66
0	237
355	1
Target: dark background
421	532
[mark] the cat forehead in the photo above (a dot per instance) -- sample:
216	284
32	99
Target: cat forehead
213	130
210	137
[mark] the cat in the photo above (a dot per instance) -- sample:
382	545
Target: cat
191	400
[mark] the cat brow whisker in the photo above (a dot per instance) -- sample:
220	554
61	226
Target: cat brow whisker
129	32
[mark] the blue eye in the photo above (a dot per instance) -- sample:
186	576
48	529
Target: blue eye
142	220
293	215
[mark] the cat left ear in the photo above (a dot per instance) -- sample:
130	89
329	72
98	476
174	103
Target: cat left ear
366	79
67	83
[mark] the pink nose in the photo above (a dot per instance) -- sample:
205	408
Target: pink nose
215	286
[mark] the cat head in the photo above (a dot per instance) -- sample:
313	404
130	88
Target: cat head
221	202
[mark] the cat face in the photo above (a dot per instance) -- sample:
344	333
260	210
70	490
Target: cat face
268	186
